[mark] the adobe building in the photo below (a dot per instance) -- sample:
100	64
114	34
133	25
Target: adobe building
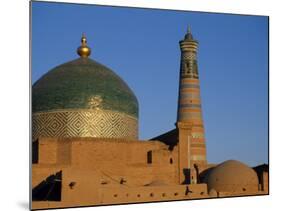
85	147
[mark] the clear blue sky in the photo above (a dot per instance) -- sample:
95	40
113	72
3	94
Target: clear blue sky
141	46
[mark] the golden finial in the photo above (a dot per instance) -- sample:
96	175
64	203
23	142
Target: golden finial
84	50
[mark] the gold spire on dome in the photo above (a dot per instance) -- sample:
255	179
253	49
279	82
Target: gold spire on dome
84	50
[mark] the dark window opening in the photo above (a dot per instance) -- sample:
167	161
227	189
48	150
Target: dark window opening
149	157
171	160
49	189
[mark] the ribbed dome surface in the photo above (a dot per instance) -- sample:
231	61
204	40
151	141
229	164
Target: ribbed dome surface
73	85
232	176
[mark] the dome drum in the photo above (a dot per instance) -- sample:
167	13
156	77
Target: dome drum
84	123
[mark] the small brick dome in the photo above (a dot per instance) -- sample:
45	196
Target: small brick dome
232	176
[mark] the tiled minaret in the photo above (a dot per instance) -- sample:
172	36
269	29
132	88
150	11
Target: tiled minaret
192	149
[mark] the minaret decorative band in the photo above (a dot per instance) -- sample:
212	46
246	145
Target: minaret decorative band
189	101
189	104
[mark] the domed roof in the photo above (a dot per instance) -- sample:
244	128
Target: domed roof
82	84
83	98
231	176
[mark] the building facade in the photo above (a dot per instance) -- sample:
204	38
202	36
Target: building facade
85	147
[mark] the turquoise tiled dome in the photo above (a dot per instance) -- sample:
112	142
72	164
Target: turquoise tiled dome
73	85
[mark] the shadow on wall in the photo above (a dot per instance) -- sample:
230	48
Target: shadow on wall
35	148
49	189
204	174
